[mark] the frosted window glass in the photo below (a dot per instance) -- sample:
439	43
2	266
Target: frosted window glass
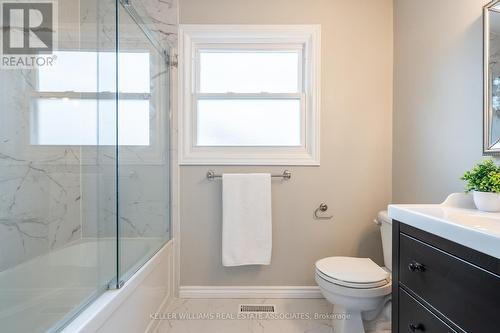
133	119
249	72
134	73
239	122
71	71
90	122
77	71
68	122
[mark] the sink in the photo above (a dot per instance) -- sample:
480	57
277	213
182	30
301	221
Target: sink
455	219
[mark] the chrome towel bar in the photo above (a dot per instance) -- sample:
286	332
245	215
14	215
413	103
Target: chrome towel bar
286	175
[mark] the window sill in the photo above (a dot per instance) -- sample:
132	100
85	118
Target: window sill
263	156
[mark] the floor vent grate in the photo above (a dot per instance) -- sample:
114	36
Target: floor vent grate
257	308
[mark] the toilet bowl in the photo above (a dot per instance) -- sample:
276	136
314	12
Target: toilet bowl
357	287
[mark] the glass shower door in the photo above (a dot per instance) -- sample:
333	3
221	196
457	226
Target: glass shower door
58	175
143	137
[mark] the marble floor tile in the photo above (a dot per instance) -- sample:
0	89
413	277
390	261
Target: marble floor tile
221	315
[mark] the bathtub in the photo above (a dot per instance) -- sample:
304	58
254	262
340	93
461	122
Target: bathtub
51	290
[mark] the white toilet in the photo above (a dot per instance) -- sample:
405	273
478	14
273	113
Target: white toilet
357	287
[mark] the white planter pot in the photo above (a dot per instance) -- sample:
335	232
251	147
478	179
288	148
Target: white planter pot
487	201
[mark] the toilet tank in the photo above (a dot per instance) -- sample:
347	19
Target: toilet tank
385	223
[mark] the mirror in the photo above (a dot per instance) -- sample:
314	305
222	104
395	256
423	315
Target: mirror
491	117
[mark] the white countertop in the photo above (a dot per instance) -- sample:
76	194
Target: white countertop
457	220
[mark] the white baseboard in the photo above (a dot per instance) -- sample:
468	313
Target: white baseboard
249	292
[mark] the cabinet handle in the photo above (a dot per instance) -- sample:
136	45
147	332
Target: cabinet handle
415	266
417	327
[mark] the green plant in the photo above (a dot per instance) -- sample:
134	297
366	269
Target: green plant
484	177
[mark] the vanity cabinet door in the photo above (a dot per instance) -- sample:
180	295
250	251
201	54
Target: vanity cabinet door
416	318
463	293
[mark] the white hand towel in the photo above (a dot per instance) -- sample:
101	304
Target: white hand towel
247	222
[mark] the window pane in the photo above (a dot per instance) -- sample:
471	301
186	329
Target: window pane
249	72
133	118
71	71
77	71
89	122
248	122
134	74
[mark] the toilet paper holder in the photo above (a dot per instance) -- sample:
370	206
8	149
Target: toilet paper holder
323	207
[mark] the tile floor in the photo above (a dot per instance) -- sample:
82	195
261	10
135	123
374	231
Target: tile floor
200	316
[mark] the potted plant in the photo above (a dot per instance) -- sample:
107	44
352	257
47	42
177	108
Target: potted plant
484	183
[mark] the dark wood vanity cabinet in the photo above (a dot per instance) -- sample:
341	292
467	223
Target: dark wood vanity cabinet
441	286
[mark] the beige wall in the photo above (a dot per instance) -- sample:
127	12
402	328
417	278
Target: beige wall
356	145
437	96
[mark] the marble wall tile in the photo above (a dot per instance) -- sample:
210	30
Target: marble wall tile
162	18
39	186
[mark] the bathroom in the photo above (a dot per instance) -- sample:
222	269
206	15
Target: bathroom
248	166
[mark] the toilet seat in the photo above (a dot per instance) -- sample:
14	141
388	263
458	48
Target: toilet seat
352	293
347	284
357	273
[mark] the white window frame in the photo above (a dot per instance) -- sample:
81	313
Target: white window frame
304	38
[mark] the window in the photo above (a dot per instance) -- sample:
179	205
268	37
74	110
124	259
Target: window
249	94
75	101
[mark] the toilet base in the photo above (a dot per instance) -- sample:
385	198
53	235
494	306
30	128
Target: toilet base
345	321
